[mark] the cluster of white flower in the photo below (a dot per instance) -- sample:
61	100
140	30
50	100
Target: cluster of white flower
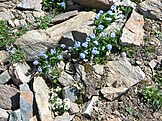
124	3
57	104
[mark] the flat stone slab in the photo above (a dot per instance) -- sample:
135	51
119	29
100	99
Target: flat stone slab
133	31
41	92
64	16
121	76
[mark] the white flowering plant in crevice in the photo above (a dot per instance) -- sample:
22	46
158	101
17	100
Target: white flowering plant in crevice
58	105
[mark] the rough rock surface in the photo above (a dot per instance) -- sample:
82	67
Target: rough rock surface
19	73
5	15
66	79
133	30
90	106
4	77
34	41
33	119
70	93
30	4
64	16
74	25
99	69
121	76
3	115
74	108
3	56
41	92
102	4
9	97
113	119
26	102
64	117
151	9
15	116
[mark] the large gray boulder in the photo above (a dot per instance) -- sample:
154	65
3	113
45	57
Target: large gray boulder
34	41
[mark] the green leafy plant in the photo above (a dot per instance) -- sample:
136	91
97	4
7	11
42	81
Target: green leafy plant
54	5
130	51
21	30
6	34
43	22
48	61
16	56
153	96
94	48
147	49
158	77
99	44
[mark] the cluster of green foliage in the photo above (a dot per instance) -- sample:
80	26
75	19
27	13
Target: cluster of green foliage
16	57
6	34
153	95
7	39
54	5
43	22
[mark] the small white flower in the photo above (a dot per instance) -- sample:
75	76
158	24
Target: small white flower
66	100
53	107
85	60
56	113
67	106
109	19
58	89
58	101
54	95
61	106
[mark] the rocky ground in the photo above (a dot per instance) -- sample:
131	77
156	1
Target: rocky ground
107	92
